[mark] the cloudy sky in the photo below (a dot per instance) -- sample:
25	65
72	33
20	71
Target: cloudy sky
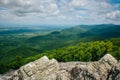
59	11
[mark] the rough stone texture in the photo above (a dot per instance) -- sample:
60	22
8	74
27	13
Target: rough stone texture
115	72
42	69
8	75
107	68
95	70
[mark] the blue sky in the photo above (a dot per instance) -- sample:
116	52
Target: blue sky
37	12
114	1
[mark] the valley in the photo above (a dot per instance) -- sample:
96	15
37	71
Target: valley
19	46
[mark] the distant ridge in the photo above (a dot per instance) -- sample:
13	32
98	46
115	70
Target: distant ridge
76	34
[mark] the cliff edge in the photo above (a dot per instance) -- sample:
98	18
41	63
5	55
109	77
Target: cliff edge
107	68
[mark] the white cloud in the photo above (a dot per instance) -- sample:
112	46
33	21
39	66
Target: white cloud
115	15
22	7
88	11
79	3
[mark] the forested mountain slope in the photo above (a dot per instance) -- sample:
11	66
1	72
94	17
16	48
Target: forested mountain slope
61	45
74	35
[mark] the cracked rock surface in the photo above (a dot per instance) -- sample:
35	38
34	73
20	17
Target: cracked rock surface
107	68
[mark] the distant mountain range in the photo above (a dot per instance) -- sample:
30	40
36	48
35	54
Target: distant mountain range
22	43
74	35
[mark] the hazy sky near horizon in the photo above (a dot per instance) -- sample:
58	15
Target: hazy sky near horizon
59	11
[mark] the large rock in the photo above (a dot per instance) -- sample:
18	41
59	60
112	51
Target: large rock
107	68
95	70
115	72
8	75
42	69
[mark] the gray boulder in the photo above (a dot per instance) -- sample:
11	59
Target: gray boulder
107	68
115	72
41	69
95	70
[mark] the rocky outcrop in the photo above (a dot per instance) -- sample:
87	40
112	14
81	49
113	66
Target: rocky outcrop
95	70
107	68
42	69
115	72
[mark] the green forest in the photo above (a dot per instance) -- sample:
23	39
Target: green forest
78	43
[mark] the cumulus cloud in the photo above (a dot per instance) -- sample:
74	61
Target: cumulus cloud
115	15
23	7
88	11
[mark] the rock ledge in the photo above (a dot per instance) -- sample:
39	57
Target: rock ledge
107	68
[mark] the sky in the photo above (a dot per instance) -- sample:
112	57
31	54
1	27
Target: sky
37	12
